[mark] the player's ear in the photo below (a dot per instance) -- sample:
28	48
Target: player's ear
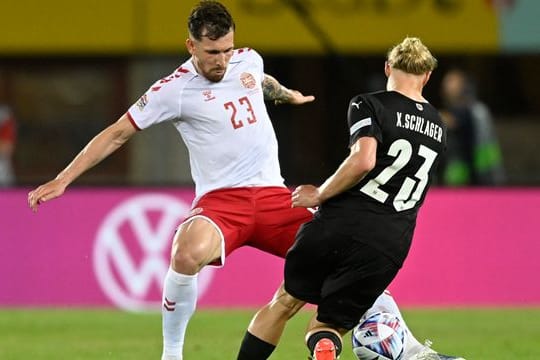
190	45
426	78
387	68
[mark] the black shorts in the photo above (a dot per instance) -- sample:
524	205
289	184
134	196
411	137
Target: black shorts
341	275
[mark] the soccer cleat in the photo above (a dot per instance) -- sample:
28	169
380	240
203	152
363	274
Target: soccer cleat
427	353
170	357
324	350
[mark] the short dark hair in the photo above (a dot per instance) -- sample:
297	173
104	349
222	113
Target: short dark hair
211	16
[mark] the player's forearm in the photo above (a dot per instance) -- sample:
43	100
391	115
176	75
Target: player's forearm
274	91
358	164
101	146
349	173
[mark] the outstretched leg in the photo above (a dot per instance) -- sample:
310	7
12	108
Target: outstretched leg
267	326
196	244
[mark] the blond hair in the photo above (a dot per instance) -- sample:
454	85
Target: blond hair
411	56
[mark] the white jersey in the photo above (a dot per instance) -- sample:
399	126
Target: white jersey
225	124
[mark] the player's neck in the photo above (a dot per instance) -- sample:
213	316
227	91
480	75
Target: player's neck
412	92
413	95
194	63
406	84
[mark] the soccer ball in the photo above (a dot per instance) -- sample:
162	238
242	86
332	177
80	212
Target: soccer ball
379	337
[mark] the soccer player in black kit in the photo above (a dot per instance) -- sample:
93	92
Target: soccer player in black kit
356	243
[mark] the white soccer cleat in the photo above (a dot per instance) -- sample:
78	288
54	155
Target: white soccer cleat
427	353
171	357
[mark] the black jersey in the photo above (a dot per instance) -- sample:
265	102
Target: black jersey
382	207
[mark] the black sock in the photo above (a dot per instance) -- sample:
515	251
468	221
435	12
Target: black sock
253	348
315	337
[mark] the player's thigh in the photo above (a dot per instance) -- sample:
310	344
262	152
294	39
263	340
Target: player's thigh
308	262
197	242
231	211
277	222
352	289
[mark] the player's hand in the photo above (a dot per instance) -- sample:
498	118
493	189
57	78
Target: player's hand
294	97
45	192
297	98
306	196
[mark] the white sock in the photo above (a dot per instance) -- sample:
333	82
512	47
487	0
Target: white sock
385	302
179	303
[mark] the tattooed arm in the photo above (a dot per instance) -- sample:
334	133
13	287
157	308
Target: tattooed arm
273	90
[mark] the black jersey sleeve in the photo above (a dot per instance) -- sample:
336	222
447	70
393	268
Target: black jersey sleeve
362	120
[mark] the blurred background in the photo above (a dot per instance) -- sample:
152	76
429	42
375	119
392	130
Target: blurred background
68	69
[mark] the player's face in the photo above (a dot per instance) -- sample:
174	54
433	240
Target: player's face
211	57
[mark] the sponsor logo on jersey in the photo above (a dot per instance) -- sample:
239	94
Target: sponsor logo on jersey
357	105
248	81
142	102
208	95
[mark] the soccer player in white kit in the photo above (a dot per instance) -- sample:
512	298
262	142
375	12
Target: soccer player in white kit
216	102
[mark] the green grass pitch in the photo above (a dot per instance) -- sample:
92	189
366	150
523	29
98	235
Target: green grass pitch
38	334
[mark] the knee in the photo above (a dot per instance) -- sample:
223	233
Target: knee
196	244
184	261
189	257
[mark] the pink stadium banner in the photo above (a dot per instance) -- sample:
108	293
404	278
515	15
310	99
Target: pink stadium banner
110	248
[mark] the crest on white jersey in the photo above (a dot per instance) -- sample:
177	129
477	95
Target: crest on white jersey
248	81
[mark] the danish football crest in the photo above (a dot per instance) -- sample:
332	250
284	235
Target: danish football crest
248	81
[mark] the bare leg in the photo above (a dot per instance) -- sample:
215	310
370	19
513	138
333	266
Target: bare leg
269	322
267	326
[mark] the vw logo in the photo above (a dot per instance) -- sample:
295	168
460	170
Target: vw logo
132	250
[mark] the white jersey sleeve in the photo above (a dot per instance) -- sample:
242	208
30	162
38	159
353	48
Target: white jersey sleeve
160	102
258	61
